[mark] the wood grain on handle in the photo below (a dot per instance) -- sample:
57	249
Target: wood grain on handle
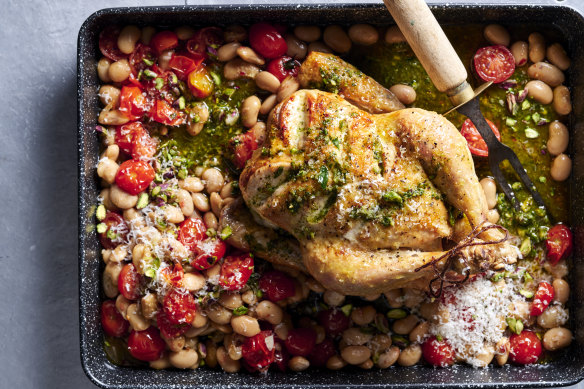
429	42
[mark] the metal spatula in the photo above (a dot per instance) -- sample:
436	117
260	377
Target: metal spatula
448	74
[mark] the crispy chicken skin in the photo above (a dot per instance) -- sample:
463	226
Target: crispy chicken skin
363	193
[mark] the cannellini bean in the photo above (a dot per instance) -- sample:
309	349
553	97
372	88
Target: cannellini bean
238	68
556	54
558	138
147	34
122	199
249	297
230	300
183	359
149	305
249	55
267	81
201	202
557	338
105	195
363	34
333	298
227	364
119	253
540	91
388	358
319	47
380	342
245	325
406	325
192	184
185	202
213	180
109	94
490	189
288	86
355	355
122	304
270	312
410	355
103	69
210	220
553	316
561	167
496	34
536	47
520	51
547	73
368	364
200	321
173	214
363	315
196	125
216	203
184	33
394	35
337	39
228	51
128	38
112	117
227	190
296	48
562	103
193	282
404	93
483	358
561	290
107	169
218	314
420	332
355	337
110	279
307	33
268	104
112	152
502	349
413	297
119	71
493	216
335	363
137	321
212	273
250	108
235	33
211	357
160	364
298	363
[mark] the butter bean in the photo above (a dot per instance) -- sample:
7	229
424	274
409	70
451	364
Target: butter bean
355	337
496	34
410	355
490	189
363	34
235	33
230	300
561	290
128	38
228	51
388	358
296	48
540	91
406	325
250	108
270	312
363	315
547	73
561	167
201	202
122	304
556	54
122	199
355	355
185	202
218	314
210	220
109	94
149	305
267	81
557	338
193	282
394	35
192	184
288	86
238	68
404	93
558	138
107	169
245	325
119	71
420	332
536	47
183	359
249	55
562	103
337	39
103	69
307	33
520	51
137	321
553	316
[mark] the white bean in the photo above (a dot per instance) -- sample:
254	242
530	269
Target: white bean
107	169
227	364
536	47
561	167
228	51
307	33
319	47
388	358
267	81
112	152
218	314
296	48
333	298
502	349
245	325
122	199
192	184
337	39
110	279
109	94
183	359
553	316
270	312
410	355
164	59
406	325
355	337
404	93
216	203
298	363
557	338
540	91
420	332
288	86
490	189
201	202
496	34
558	138
556	54
355	355
128	38
185	202
335	363
394	35
363	315
561	290
137	321
230	300
520	51
173	214
268	104
210	220
238	68
119	71
493	216
249	55
149	305
103	69
250	108
193	282
547	73
562	103
363	34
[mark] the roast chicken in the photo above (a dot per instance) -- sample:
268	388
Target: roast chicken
362	201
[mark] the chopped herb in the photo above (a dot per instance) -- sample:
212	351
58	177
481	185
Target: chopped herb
241	310
147	61
525	105
323	177
526	293
181	102
111	234
510	122
347	309
143	200
100	212
336	142
149	73
101	228
158	83
531	133
393	196
225	233
396	314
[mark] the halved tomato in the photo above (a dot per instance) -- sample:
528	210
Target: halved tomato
475	141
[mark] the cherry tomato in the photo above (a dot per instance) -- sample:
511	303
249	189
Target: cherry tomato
494	63
174	275
180	308
322	352
258	351
243	147
301	341
183	65
134	140
542	299
277	285
134	176
437	352
197	45
116	231
169	329
162	112
108	43
267	41
200	83
129	282
112	321
191	232
164	40
133	103
235	271
283	67
146	345
559	243
139	58
209	251
334	321
525	348
475	141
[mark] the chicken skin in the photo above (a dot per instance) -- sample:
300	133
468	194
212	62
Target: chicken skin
368	198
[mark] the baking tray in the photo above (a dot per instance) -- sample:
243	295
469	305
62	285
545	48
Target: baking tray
565	17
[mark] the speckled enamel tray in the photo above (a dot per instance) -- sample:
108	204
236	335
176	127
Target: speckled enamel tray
566	17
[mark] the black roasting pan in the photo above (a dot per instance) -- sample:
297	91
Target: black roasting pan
564	17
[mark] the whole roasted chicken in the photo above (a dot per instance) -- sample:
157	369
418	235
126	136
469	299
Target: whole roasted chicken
367	199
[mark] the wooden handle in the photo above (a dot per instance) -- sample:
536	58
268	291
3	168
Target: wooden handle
431	46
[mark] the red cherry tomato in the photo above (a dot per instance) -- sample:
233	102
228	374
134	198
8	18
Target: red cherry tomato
174	275
139	57
134	176
243	147
525	348
334	321
322	352
200	83
133	103
209	251
164	40
108	43
542	299
116	231
183	65
235	271
258	351
437	353
112	321
169	329
475	141
129	282
301	341
494	63
277	285
180	308
162	112
191	232
267	41
134	140
146	345
559	243
197	46
283	67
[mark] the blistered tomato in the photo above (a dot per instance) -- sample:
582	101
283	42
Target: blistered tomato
267	41
146	345
134	176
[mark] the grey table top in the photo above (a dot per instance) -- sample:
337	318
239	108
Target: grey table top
38	162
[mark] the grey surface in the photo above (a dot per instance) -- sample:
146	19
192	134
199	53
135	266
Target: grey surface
38	225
